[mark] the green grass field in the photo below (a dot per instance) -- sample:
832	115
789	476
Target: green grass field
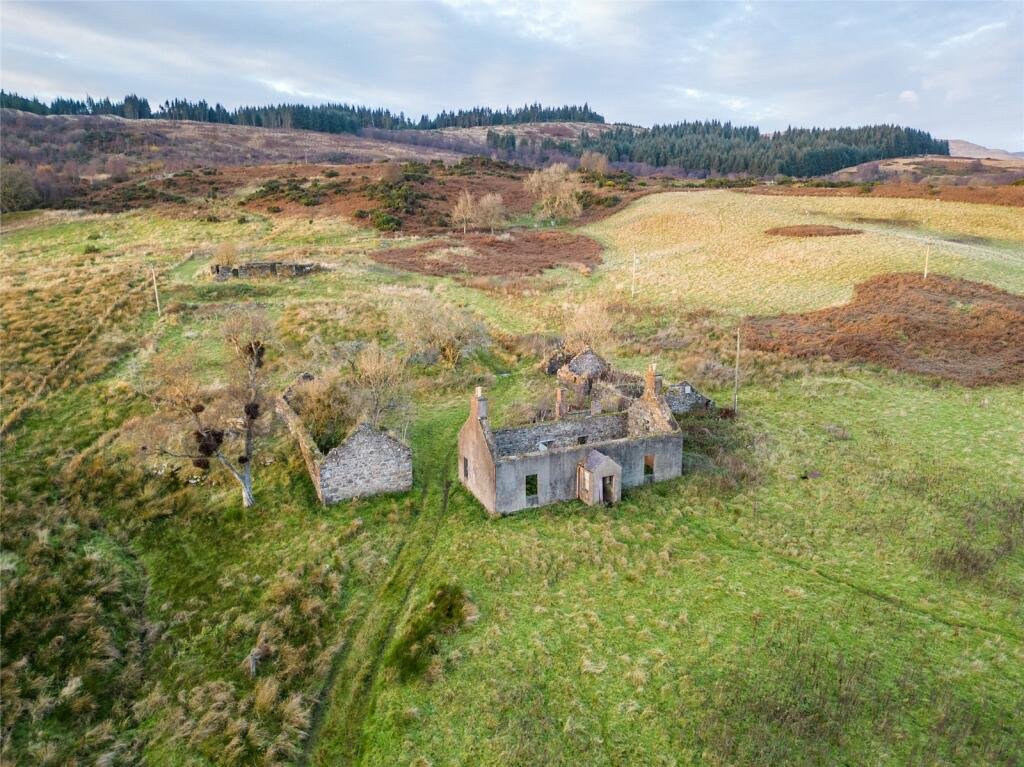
869	614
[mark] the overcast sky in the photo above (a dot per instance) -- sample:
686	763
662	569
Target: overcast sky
953	68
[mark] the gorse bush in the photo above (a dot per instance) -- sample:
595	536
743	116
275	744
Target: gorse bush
447	609
385	222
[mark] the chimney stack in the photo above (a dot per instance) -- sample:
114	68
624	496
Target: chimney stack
559	403
478	404
650	387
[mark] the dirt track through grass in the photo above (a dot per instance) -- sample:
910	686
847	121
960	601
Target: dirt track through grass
351	697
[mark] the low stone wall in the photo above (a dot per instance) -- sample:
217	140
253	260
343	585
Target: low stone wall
310	452
253	269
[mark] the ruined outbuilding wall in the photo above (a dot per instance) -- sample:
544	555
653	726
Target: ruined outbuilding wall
253	269
367	463
310	452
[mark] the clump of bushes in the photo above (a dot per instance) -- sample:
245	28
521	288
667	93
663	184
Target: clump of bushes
447	609
385	222
432	330
587	200
326	409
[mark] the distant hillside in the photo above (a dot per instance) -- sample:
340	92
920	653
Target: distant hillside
701	148
960	148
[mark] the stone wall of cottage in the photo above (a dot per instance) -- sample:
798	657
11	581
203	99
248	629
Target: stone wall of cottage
367	463
310	452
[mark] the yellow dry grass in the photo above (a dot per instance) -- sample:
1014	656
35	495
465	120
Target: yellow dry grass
709	249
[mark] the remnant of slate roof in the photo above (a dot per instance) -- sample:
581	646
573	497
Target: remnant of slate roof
595	460
588	364
683	398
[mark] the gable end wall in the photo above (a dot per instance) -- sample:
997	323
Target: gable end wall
365	464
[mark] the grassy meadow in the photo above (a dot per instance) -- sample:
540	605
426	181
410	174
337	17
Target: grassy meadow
838	579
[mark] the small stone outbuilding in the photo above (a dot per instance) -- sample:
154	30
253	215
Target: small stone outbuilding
257	269
368	462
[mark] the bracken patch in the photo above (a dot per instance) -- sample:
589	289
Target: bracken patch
954	329
521	253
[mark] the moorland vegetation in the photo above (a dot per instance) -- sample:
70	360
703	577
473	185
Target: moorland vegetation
835	578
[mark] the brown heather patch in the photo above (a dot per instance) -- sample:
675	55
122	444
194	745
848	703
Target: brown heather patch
811	230
949	328
518	253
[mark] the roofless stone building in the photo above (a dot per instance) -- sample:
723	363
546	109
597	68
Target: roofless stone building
590	455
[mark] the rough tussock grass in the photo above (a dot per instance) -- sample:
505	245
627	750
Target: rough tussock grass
604	636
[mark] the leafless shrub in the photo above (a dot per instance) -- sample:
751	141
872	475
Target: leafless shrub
490	212
326	408
594	162
432	329
555	188
225	254
588	324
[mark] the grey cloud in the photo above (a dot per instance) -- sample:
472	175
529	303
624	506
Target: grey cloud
771	64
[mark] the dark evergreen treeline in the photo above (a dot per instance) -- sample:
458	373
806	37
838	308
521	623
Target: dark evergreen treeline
722	148
132	107
326	118
708	148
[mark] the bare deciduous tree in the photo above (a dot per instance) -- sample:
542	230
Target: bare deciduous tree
594	162
464	212
589	324
220	426
491	211
555	188
379	379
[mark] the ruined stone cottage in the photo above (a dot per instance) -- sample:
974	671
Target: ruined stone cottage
589	455
368	462
258	269
587	374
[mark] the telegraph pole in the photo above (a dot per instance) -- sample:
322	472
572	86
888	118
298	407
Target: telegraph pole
156	293
736	373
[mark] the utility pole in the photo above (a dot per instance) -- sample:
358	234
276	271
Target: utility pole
736	373
156	292
927	253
